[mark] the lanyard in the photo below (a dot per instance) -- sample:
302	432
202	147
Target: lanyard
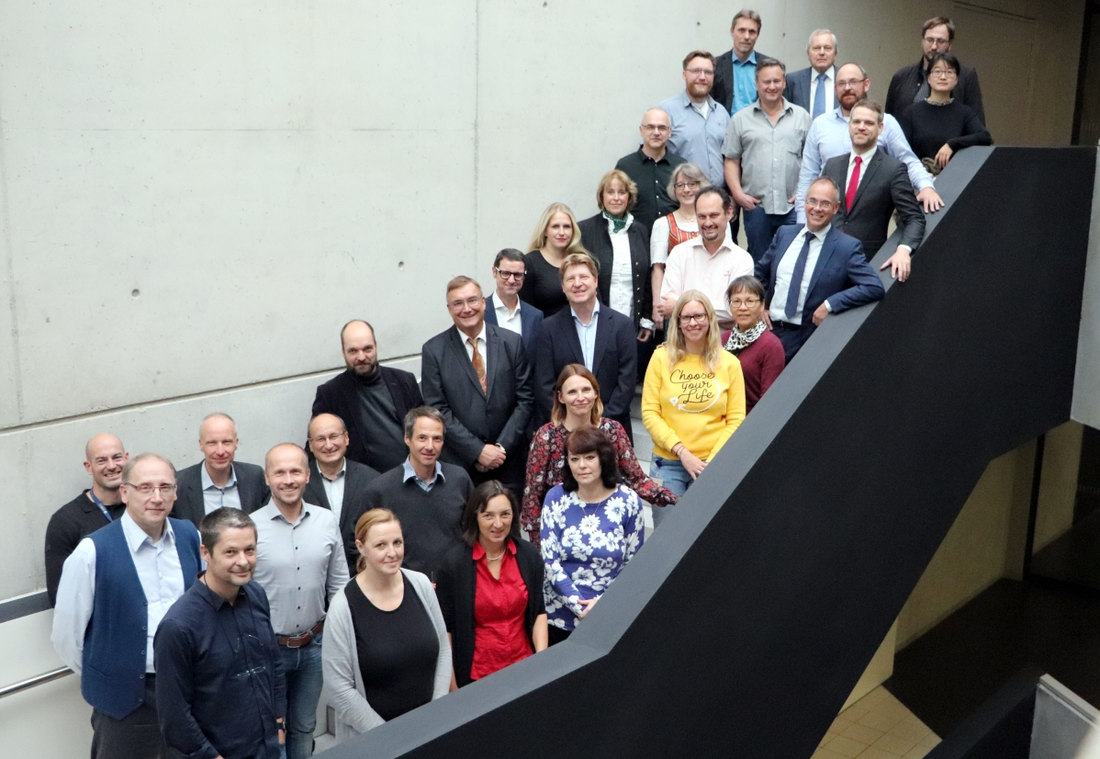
99	503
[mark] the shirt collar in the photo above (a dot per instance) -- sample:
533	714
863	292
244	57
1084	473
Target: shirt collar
341	473
271	512
866	157
136	537
500	308
727	243
644	157
464	338
751	59
479	550
686	102
410	473
213	599
595	313
821	234
208	483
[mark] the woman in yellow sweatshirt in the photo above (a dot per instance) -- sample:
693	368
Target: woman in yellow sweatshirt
693	398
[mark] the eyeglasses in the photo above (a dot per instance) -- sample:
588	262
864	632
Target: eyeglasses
736	303
685	185
690	318
468	303
656	127
814	203
943	73
937	41
322	439
849	83
147	490
700	72
516	275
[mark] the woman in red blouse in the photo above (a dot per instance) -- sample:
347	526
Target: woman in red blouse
577	404
490	590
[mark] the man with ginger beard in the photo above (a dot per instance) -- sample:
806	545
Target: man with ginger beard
370	398
300	564
104	457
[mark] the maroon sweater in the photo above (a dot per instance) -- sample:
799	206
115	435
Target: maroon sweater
761	363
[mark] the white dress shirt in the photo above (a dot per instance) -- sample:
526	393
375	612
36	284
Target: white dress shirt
866	161
509	320
301	566
214	497
622	279
158	569
784	273
691	267
334	488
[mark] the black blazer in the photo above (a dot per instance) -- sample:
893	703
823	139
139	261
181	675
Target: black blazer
907	82
614	363
530	322
356	478
456	589
251	487
723	78
884	186
70	524
597	241
474	417
338	394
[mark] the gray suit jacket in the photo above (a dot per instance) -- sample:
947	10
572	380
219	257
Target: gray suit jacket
884	186
474	417
356	478
251	486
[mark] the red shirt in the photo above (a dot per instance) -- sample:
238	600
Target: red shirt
500	607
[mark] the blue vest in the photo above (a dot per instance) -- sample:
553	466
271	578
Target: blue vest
113	675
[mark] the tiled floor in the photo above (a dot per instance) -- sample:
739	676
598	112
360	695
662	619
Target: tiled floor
878	726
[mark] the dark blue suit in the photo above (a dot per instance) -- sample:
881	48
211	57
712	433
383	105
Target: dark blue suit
798	86
842	276
614	361
530	322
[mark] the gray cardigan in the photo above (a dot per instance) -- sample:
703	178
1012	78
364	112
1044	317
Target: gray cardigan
340	662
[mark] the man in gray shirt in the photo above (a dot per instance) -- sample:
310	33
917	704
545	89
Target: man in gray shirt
763	152
300	564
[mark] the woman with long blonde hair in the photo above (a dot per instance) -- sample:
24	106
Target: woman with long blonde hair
556	236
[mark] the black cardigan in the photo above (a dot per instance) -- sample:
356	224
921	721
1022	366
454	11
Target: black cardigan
597	241
456	587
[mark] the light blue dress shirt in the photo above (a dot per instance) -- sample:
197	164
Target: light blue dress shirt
587	335
213	497
744	82
698	140
410	474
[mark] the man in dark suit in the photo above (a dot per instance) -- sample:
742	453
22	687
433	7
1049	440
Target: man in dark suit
336	482
814	88
104	457
218	480
814	270
479	379
872	185
735	69
503	308
371	399
910	83
587	333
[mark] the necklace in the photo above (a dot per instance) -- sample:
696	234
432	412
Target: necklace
494	558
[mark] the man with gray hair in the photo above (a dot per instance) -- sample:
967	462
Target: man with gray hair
650	166
216	654
814	88
219	480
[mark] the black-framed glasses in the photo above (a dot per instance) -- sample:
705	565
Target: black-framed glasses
516	275
689	318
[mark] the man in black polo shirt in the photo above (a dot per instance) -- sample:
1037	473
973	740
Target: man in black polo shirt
651	169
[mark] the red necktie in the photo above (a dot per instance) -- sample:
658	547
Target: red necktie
853	185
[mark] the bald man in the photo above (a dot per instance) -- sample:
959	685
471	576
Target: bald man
651	169
219	480
104	457
300	564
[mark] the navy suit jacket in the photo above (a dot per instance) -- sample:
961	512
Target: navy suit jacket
842	275
798	87
614	362
356	478
251	487
884	186
530	322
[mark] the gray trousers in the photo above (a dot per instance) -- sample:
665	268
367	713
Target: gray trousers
135	736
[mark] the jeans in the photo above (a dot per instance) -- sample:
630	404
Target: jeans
675	478
303	691
760	228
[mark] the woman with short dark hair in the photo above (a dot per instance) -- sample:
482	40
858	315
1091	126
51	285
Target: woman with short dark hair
490	590
592	525
756	347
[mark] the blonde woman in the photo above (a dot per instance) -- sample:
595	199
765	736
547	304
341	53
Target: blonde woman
556	236
693	398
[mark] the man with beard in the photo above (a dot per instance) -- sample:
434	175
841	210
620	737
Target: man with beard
698	120
371	399
709	262
300	564
220	683
104	457
910	83
828	137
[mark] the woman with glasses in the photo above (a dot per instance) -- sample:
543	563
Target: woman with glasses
758	350
385	650
693	398
679	226
556	236
939	126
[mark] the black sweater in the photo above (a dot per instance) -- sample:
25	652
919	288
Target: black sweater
929	127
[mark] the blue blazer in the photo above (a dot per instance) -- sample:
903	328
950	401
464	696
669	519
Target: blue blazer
798	87
530	322
842	275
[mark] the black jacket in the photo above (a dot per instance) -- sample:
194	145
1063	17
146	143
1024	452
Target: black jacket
356	478
456	588
251	487
597	241
907	82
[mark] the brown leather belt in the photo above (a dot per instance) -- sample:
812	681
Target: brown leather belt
303	639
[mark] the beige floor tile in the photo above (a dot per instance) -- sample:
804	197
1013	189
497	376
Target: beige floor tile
846	746
840	724
855	711
824	753
875	697
878	753
932	740
865	735
880	720
918	752
894	744
829	735
914	731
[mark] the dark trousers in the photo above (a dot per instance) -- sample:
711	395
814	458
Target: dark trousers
555	635
135	736
793	336
760	228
